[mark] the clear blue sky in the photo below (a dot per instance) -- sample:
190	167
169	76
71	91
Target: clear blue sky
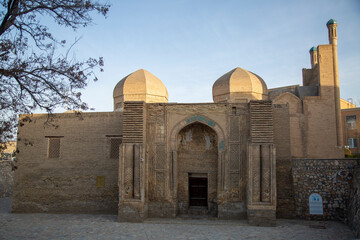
189	44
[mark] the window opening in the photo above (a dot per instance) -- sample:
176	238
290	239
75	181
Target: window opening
114	147
353	142
351	122
54	147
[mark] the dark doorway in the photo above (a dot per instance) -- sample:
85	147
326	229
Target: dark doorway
198	188
197	157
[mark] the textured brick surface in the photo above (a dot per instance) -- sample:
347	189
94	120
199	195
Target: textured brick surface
67	183
315	117
261	165
284	185
197	153
265	218
132	122
261	122
6	178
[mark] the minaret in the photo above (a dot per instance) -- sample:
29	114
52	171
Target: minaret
313	57
331	25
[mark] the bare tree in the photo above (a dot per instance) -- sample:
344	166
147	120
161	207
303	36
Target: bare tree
32	74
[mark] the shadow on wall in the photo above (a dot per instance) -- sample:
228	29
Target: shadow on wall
354	204
6	185
6	178
5	205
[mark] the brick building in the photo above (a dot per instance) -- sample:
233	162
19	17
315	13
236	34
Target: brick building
351	128
149	158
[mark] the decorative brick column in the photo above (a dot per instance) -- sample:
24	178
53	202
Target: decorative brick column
132	207
261	206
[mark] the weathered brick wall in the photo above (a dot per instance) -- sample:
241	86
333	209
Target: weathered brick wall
285	200
6	178
238	135
197	153
331	178
354	205
83	179
320	112
156	153
231	124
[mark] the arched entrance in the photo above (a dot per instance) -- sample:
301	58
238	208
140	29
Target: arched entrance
197	169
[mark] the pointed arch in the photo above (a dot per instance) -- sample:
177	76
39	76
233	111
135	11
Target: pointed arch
174	150
201	119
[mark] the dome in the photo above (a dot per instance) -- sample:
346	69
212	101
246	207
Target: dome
140	86
331	21
313	49
239	85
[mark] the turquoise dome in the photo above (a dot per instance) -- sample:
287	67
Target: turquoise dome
313	49
331	21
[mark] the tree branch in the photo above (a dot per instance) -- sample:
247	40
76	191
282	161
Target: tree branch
9	16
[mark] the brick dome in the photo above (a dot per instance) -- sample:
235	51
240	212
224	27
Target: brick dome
140	86
239	85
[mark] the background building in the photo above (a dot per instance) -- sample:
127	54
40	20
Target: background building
351	128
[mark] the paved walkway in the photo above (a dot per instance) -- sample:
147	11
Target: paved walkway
82	226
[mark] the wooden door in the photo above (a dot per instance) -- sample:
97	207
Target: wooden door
198	188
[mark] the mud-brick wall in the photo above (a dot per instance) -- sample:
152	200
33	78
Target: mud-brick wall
6	178
331	178
354	205
82	178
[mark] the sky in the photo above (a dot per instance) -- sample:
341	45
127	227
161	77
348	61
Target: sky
189	44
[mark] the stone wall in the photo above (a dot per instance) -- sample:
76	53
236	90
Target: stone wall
331	178
6	178
354	205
